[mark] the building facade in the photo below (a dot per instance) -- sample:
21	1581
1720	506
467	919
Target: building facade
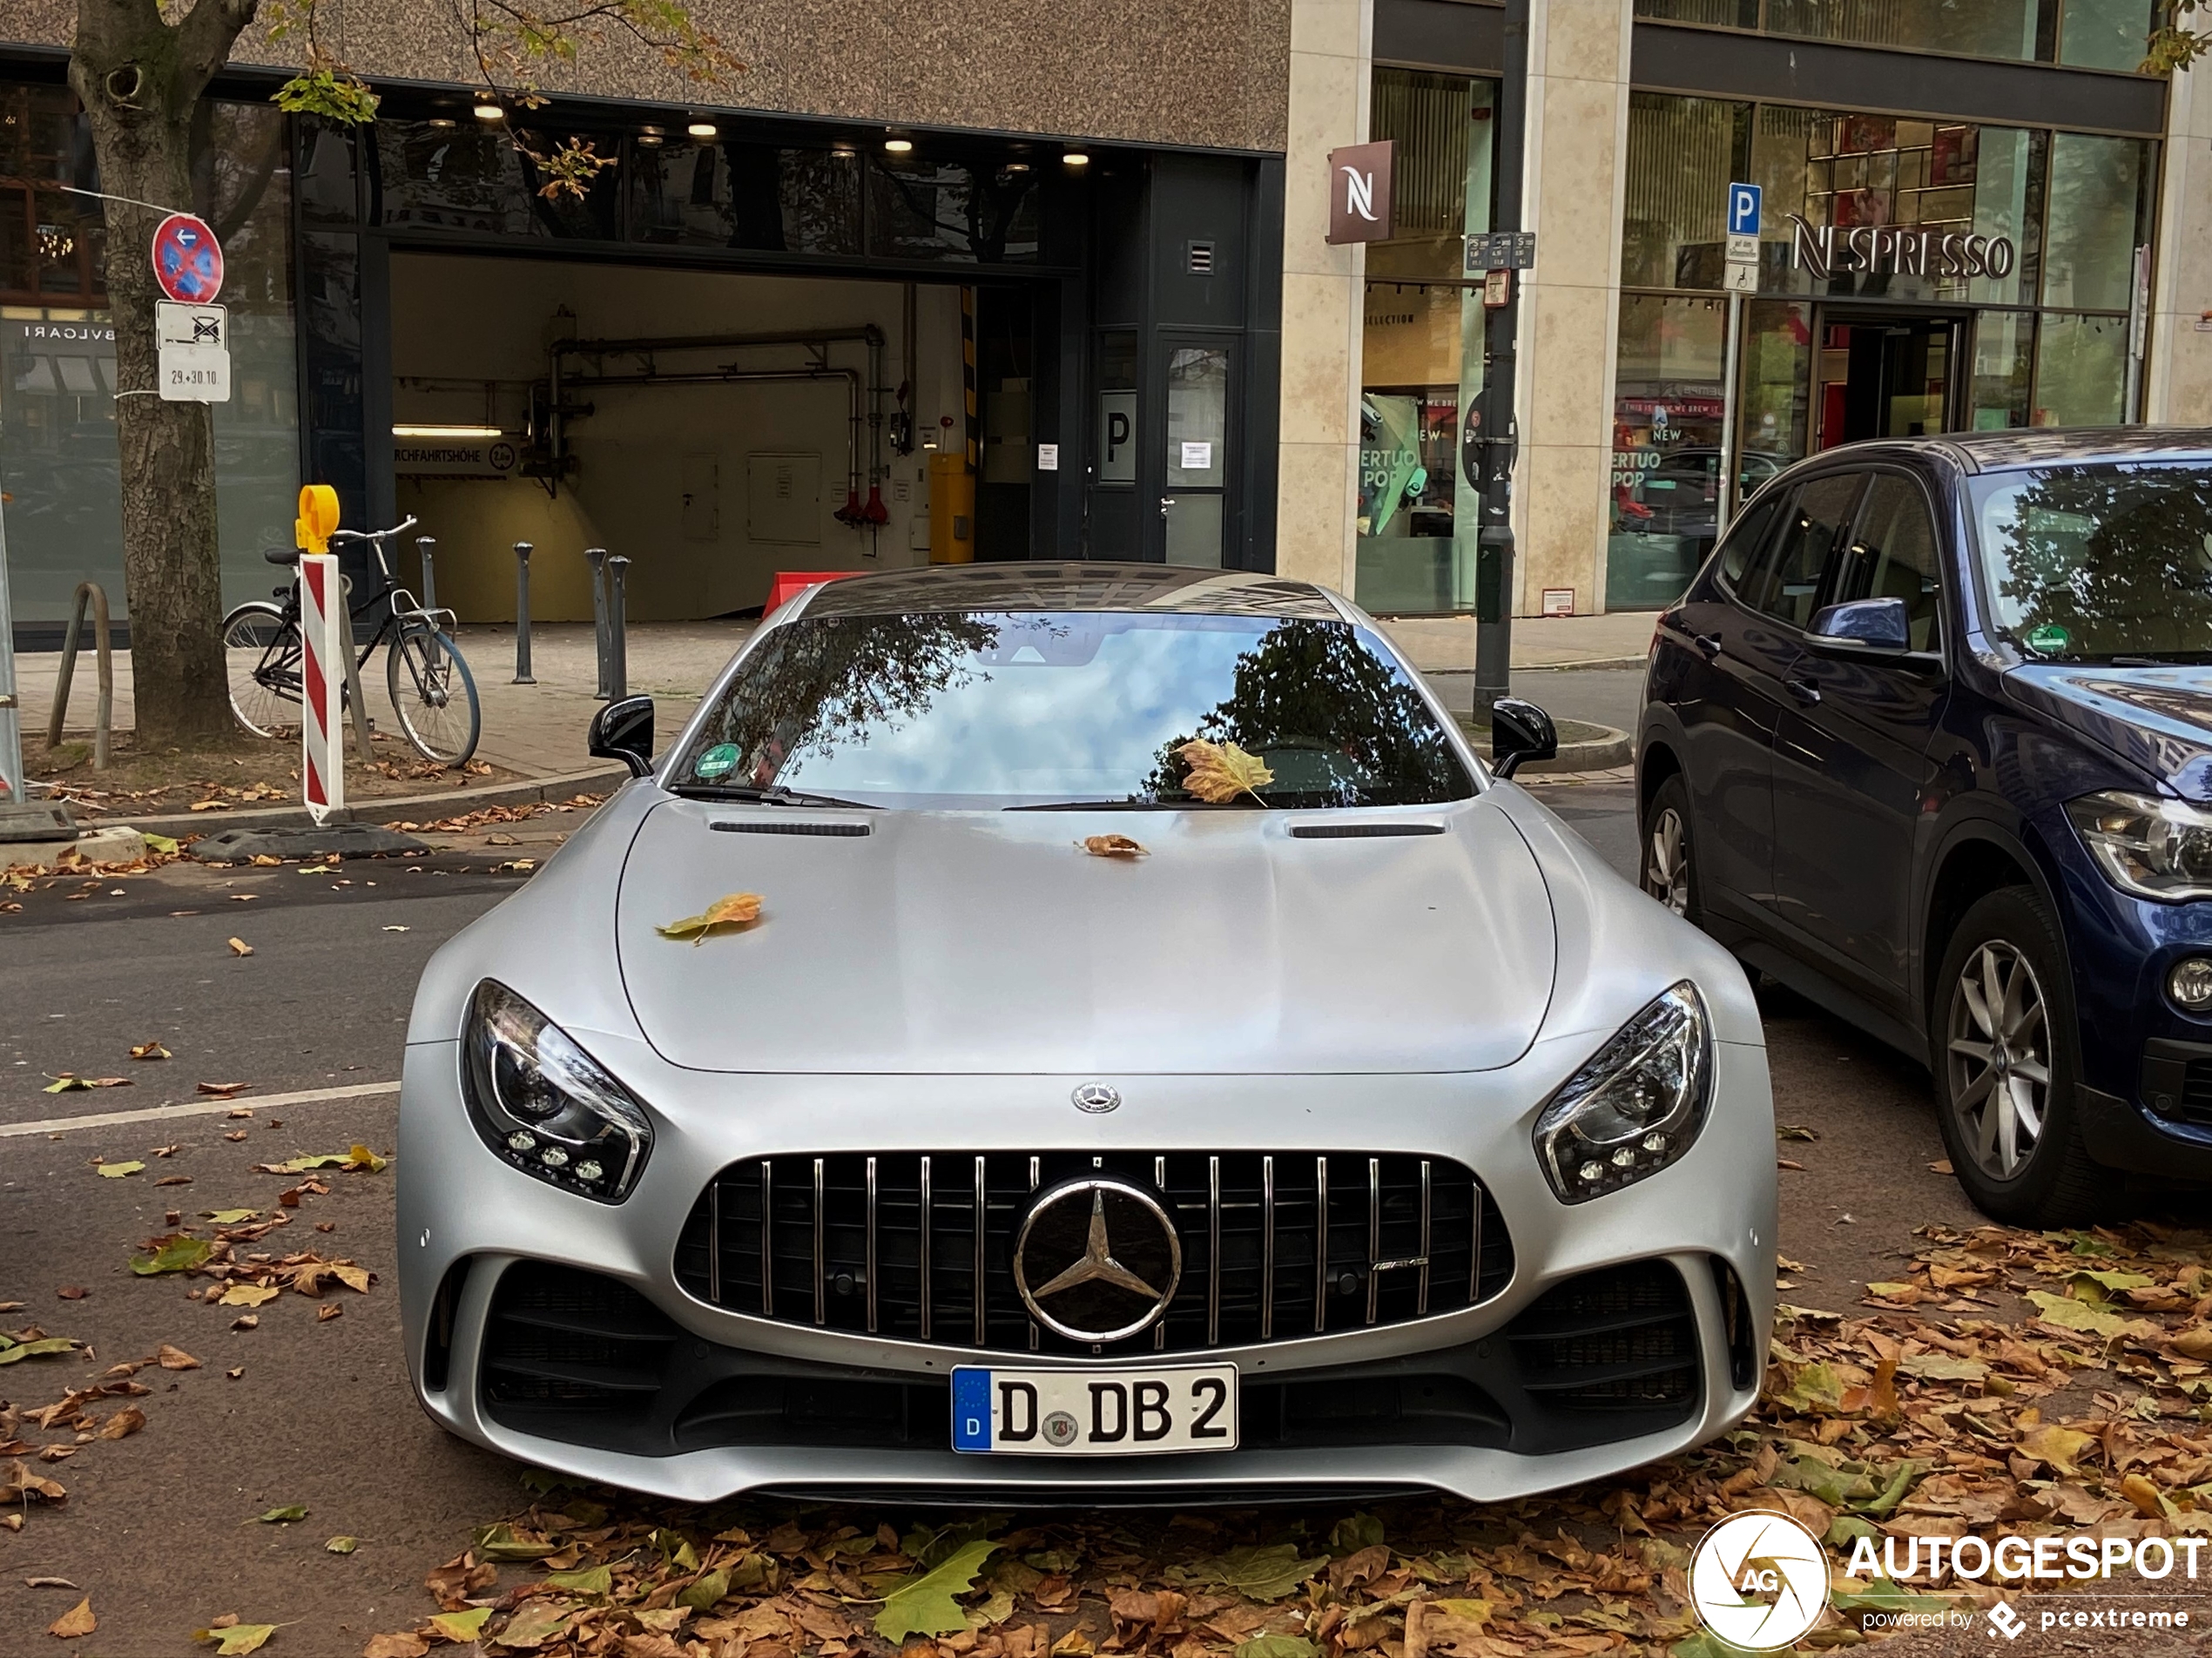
1020	281
1977	214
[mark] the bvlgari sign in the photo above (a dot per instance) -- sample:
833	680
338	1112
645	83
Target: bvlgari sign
1899	250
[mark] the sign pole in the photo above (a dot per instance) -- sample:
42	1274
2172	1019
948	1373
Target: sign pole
1743	214
1493	557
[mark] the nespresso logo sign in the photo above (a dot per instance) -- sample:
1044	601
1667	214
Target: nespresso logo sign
1898	250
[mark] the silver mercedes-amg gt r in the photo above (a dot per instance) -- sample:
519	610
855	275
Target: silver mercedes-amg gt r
1082	1031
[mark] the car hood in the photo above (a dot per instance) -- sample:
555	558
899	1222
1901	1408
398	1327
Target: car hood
2160	718
991	942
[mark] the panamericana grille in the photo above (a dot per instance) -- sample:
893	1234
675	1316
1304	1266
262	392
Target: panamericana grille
918	1247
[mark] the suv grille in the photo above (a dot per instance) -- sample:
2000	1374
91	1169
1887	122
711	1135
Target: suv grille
1274	1247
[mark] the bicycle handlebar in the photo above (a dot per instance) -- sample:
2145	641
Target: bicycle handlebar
400	529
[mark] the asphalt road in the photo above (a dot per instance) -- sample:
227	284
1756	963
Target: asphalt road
160	1527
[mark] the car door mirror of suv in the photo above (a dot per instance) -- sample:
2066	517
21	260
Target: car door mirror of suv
1862	628
623	731
1520	730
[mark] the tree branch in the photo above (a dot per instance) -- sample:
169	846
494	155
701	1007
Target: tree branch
205	39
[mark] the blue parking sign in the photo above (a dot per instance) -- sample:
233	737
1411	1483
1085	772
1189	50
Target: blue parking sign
1743	210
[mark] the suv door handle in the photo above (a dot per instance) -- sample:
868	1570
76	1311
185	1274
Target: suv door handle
1804	689
1709	645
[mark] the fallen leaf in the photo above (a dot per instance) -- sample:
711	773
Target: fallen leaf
150	1050
174	1180
66	1084
244	898
239	946
324	1314
406	1644
177	1359
734	912
173	1254
923	1604
72	1292
230	1216
48	1583
77	1621
117	1170
1112	846
163	845
1218	773
1262	1574
122	1424
341	1545
248	1295
461	1625
221	1090
396	930
2067	1313
36	1348
246	1321
2060	1446
283	1516
237	1640
235	1134
1942	1166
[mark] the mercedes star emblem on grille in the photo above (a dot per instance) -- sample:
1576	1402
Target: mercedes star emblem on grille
1095	1097
1109	1257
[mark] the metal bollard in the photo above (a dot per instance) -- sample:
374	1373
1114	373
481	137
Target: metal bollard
617	634
425	548
523	550
95	595
596	559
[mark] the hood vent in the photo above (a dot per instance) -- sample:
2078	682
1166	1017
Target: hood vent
1355	830
777	826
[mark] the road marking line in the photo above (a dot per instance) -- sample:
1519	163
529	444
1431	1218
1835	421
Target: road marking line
197	1109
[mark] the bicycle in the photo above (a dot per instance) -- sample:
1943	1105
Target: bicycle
433	692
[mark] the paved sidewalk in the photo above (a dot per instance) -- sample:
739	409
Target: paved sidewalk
538	730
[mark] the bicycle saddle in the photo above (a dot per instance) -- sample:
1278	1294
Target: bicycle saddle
281	555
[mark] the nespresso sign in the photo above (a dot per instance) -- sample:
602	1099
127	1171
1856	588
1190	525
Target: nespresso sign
1898	250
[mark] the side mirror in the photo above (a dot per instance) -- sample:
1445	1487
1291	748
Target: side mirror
1862	628
623	731
1520	730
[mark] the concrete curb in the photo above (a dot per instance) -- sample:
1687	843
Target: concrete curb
1602	753
385	809
1576	666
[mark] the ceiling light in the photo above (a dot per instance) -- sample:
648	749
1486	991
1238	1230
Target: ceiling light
703	129
898	146
1075	159
439	121
1017	166
488	110
843	151
649	138
436	432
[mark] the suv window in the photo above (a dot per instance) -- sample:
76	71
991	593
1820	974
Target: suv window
1745	536
1788	583
1894	557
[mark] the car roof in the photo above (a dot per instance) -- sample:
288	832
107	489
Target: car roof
2048	446
1072	586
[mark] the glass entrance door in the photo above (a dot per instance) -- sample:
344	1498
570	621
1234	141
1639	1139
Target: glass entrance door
1887	377
1194	500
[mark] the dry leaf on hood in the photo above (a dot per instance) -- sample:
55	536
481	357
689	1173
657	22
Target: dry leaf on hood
733	913
1218	773
1112	846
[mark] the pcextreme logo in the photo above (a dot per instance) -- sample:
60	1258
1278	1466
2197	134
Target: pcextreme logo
1759	1580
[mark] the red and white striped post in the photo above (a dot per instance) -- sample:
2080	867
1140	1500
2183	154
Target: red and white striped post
323	634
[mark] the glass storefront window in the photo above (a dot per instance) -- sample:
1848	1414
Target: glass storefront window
1421	361
2011	28
746	195
2105	34
2080	370
1728	14
2097	213
2003	346
1772	380
949	210
1682	154
58	463
1667	410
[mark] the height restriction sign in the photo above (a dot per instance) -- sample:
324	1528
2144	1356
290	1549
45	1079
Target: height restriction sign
187	259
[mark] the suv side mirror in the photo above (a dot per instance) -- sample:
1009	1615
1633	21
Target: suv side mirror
1862	628
623	731
1520	730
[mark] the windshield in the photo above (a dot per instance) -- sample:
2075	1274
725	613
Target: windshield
2090	562
985	710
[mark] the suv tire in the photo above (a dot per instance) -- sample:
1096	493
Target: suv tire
1666	865
2005	1053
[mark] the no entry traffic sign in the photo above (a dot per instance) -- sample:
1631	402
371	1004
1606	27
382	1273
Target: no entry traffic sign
187	260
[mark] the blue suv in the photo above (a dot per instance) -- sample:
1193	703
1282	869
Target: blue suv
1929	740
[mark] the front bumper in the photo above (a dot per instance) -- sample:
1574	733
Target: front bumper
1710	1220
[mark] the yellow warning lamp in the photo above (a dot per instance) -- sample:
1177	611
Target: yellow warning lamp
318	517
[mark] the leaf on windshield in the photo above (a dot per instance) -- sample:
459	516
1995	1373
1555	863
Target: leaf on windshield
1112	846
733	914
1218	773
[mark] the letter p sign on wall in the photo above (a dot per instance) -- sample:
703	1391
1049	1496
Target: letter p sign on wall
1359	192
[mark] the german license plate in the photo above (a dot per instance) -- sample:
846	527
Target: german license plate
1095	1412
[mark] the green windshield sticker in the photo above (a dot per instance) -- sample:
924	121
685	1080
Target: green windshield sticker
715	762
2050	638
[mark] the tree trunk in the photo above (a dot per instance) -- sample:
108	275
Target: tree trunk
140	79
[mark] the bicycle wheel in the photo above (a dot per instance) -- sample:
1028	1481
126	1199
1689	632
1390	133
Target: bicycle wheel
433	694
261	656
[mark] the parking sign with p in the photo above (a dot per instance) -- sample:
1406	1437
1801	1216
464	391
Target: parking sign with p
1743	210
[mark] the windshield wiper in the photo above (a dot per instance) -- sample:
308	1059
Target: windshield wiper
776	795
1117	806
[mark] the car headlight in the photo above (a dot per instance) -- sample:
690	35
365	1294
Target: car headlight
1636	1104
544	1105
2153	848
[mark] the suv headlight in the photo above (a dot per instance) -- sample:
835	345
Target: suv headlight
544	1105
2153	848
1635	1106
